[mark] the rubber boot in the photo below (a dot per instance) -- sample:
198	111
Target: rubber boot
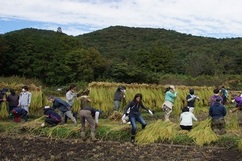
94	139
132	139
83	136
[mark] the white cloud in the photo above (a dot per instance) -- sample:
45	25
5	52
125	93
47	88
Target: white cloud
206	18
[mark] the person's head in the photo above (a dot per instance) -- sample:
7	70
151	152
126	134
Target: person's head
25	88
121	88
172	87
138	97
51	98
46	108
72	87
12	91
4	90
216	92
191	91
185	109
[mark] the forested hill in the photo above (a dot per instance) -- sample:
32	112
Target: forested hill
116	53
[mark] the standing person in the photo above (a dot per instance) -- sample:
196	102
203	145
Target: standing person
224	94
134	114
70	96
170	95
25	100
12	99
52	118
186	118
87	113
18	113
191	98
119	95
214	97
63	107
217	111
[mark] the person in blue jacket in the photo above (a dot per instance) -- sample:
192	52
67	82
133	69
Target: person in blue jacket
170	95
18	113
63	106
134	114
52	118
217	111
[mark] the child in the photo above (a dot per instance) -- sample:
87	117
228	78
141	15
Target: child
186	118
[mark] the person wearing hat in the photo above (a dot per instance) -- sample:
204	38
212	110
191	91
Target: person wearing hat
52	118
63	107
191	98
217	111
25	100
119	95
170	95
18	113
214	97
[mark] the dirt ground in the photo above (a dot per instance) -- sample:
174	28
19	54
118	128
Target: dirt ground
42	149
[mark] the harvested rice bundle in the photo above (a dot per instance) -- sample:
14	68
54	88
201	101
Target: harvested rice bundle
3	110
240	144
157	131
203	134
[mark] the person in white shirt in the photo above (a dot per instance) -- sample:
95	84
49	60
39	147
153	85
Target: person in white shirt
186	119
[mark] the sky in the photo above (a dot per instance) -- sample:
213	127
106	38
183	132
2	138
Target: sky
208	18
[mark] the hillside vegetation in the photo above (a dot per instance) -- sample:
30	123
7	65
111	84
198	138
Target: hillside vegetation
119	54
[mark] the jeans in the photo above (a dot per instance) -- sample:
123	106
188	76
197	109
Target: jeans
133	120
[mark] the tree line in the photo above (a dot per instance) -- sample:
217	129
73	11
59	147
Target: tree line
117	53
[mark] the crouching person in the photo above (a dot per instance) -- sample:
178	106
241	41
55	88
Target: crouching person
52	118
186	119
217	111
18	113
63	107
87	114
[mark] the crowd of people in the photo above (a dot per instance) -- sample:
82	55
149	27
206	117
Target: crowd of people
19	108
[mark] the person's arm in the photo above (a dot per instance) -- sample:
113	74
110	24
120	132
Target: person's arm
97	113
193	117
141	105
210	111
29	98
172	95
128	106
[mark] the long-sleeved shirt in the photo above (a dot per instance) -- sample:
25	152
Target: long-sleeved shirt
63	106
186	118
25	98
134	108
217	110
52	114
70	96
169	96
13	100
191	100
213	98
